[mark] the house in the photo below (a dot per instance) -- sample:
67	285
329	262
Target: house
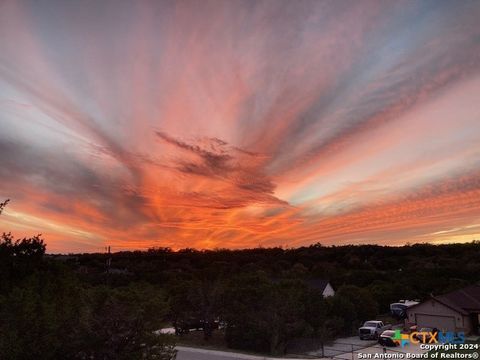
458	310
322	285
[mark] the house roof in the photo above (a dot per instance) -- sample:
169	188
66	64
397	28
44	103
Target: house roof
463	300
319	284
467	299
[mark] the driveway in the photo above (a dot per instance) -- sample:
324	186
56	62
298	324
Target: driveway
343	345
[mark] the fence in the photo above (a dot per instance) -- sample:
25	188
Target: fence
344	350
315	349
375	349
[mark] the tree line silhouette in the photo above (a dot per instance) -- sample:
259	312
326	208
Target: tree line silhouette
56	306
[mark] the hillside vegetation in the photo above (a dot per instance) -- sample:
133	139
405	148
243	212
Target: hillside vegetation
107	306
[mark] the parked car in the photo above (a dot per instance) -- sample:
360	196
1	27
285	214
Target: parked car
386	339
372	329
424	334
399	309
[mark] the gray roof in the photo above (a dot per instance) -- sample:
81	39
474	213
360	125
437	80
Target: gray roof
466	299
463	300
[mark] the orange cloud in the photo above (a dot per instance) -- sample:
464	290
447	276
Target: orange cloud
238	125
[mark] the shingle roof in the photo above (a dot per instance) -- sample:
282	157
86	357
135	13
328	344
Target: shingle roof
467	299
463	300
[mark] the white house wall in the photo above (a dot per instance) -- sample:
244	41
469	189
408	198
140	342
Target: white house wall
432	307
328	291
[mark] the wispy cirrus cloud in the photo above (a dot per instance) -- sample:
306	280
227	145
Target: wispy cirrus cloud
244	181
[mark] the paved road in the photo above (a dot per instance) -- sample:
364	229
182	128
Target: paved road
187	353
200	354
378	349
338	348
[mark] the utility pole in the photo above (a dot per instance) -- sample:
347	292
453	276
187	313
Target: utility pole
108	263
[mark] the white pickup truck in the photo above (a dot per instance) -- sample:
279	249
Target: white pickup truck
372	329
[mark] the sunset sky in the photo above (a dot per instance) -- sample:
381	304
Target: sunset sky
234	124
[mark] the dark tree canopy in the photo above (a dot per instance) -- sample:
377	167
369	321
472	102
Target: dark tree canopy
258	300
48	312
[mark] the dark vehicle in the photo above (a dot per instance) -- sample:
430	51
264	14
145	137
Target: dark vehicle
424	335
386	339
399	309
